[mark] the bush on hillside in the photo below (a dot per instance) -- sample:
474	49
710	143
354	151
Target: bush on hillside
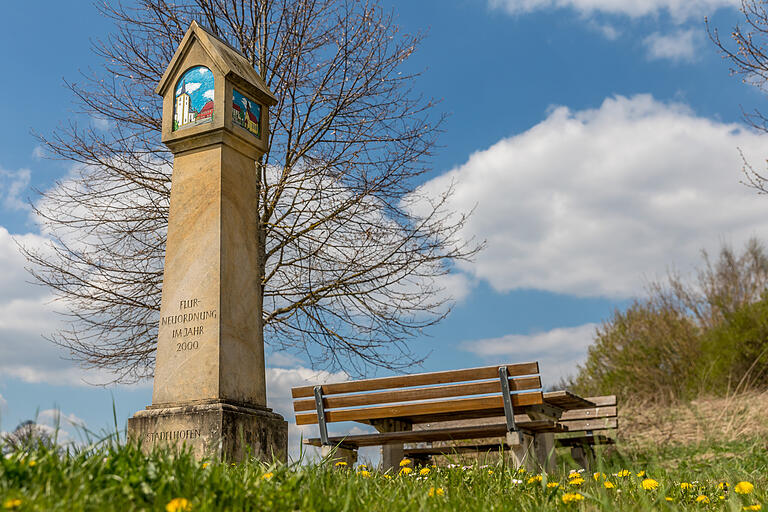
707	335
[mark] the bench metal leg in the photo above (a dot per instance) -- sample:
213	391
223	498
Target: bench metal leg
339	454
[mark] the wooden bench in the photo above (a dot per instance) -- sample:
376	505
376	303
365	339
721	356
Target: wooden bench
584	423
393	405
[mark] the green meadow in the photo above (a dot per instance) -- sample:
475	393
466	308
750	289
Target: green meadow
707	475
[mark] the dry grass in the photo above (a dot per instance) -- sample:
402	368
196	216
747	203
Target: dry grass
732	418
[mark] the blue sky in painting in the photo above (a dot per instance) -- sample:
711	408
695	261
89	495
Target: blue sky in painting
598	143
198	83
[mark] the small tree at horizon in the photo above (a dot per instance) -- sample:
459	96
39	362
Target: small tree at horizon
351	251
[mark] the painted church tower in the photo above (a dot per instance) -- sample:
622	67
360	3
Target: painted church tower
183	109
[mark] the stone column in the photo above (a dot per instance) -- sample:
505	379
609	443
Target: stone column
210	387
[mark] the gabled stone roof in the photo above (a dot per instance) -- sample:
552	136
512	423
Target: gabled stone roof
230	63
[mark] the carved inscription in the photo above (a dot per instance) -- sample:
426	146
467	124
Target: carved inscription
172	435
186	325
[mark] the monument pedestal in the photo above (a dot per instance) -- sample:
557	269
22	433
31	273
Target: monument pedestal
214	430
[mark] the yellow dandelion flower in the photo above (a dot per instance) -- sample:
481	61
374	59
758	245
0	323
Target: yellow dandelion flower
623	473
11	504
267	476
574	474
405	462
576	481
521	470
388	477
340	464
206	464
756	506
178	505
535	478
406	471
598	476
572	497
608	485
685	486
702	499
723	486
362	466
436	491
721	497
364	473
32	463
552	485
744	488
649	484
669	499
490	471
641	474
424	471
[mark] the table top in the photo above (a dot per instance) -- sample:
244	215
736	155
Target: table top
566	400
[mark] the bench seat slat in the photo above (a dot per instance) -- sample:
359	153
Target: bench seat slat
405	395
595	424
587	414
446	434
566	400
419	379
490	405
603	401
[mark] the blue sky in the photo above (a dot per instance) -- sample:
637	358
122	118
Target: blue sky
598	140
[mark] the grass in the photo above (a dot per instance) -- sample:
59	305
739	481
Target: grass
118	477
703	443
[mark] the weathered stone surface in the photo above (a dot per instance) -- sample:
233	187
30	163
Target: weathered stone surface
210	387
215	431
209	343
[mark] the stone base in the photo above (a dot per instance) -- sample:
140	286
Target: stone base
214	431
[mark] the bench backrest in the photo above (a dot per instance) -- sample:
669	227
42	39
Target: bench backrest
423	397
604	416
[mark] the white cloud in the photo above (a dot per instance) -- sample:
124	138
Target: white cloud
190	87
3	402
590	203
101	124
12	186
27	313
208	94
54	417
38	152
679	46
607	30
279	384
679	10
558	351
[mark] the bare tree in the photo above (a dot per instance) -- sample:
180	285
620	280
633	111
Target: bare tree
747	53
352	252
28	435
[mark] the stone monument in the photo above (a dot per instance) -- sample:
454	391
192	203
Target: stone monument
209	387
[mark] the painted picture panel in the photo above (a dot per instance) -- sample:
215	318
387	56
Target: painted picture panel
246	113
193	103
